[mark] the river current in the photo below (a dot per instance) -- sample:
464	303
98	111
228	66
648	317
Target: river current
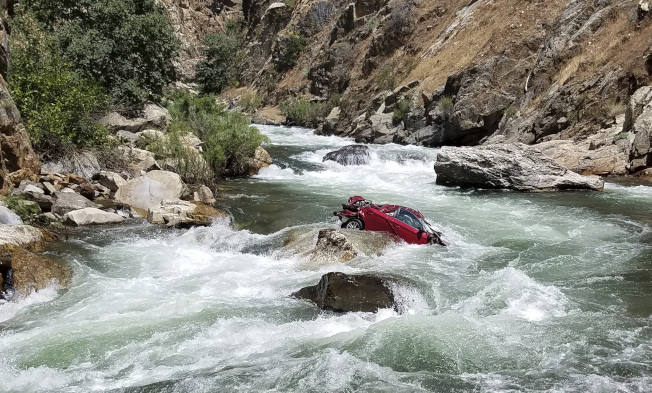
547	292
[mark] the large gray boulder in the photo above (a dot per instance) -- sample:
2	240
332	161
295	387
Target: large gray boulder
147	191
341	292
91	216
68	201
8	217
507	166
350	155
111	180
176	212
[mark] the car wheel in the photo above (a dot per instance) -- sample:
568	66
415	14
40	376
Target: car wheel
353	223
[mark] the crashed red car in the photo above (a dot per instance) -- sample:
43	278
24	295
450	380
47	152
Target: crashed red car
400	221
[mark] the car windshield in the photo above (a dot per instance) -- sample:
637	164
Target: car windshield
408	218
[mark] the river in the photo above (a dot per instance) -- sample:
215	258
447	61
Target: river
548	292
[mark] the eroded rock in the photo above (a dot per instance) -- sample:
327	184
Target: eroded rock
507	166
176	212
68	201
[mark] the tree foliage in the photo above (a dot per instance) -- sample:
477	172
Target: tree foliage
214	73
59	106
126	45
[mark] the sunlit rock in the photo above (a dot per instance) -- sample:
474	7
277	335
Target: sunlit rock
507	166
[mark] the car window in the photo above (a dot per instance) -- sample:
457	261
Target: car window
408	218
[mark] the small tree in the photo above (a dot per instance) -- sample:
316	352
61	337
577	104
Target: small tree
214	73
59	106
126	45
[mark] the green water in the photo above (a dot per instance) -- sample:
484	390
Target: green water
536	292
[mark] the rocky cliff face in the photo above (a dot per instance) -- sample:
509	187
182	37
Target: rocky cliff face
192	21
17	158
450	72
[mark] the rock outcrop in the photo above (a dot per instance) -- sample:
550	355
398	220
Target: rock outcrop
638	121
260	160
341	292
508	166
17	158
350	155
69	201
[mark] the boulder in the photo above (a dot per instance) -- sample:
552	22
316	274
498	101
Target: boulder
81	163
68	201
350	155
157	116
8	217
147	191
35	272
507	166
154	117
142	160
20	236
111	180
333	246
176	212
91	216
341	292
261	160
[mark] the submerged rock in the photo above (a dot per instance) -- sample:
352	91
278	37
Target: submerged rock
507	166
341	292
350	155
35	272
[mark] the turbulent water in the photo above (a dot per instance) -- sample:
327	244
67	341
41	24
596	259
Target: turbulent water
536	292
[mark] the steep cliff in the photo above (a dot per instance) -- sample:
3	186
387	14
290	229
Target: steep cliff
17	158
451	72
192	21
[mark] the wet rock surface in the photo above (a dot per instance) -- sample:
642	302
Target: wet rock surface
507	166
350	155
35	272
91	216
341	292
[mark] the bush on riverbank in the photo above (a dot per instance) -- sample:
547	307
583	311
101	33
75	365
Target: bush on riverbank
228	139
302	112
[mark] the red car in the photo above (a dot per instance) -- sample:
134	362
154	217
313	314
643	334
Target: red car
402	222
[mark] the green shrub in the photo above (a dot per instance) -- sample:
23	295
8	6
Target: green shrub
216	72
511	111
59	107
290	52
250	101
127	45
400	111
228	139
445	103
25	209
302	112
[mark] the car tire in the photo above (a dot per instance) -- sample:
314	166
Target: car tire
353	223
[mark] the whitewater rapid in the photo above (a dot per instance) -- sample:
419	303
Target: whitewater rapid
536	292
